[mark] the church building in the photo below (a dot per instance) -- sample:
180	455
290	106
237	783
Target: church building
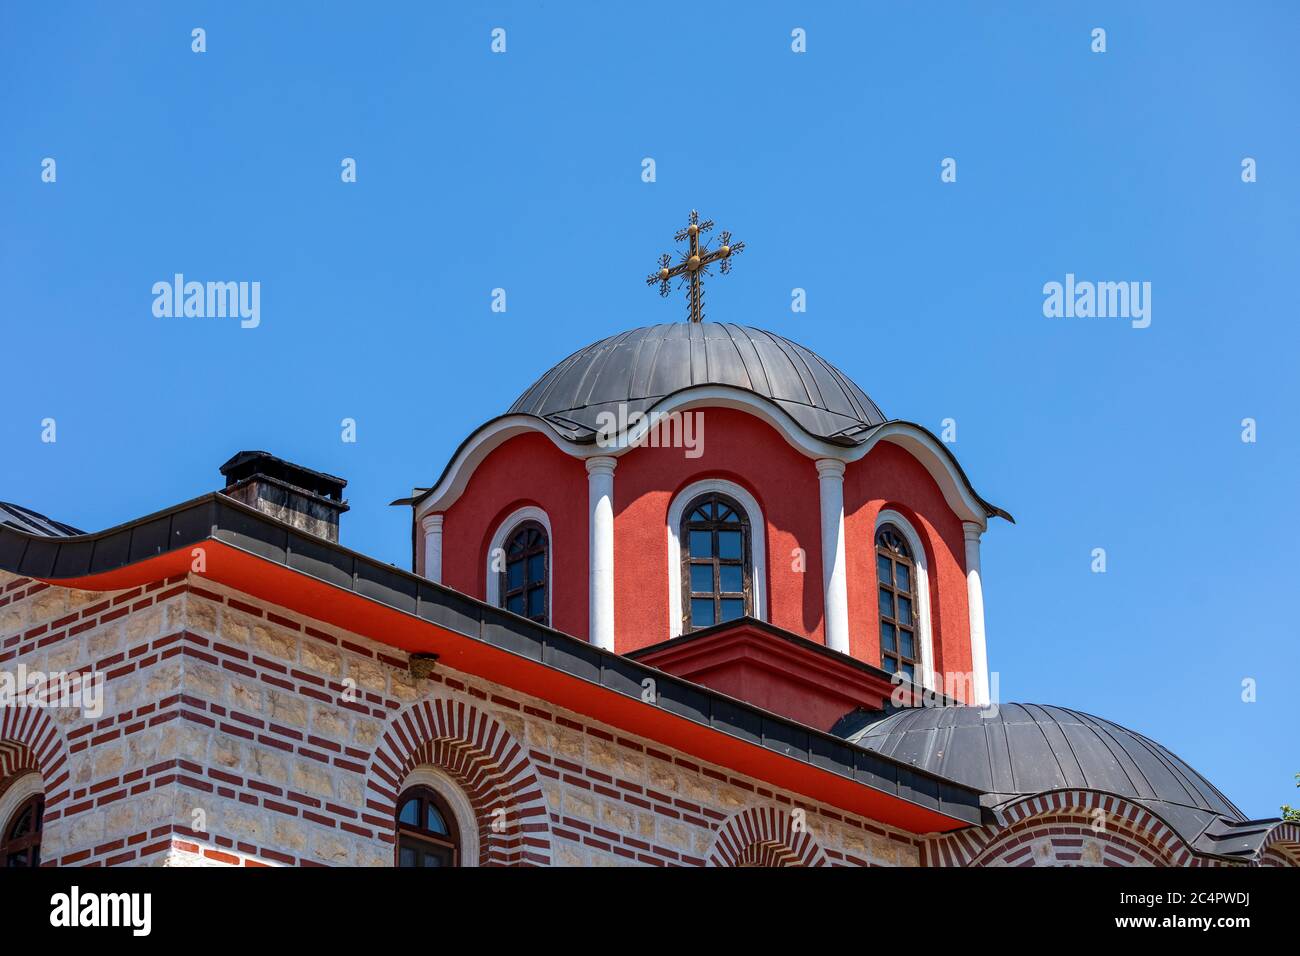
693	599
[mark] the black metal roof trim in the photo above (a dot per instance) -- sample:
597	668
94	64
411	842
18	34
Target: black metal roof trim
244	465
218	517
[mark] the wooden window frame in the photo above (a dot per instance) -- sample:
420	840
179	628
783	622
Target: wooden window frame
905	558
30	841
745	561
505	592
419	834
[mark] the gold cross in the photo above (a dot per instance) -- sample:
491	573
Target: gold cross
695	263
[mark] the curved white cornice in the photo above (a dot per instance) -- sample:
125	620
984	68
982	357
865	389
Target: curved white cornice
478	446
922	445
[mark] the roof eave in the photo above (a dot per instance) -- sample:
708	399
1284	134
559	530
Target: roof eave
271	560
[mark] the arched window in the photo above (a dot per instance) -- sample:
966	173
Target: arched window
896	573
426	830
523	582
20	841
717	576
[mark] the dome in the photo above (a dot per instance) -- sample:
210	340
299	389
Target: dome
637	369
1031	748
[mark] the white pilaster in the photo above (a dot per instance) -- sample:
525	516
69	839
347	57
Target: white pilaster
600	502
975	595
835	582
431	525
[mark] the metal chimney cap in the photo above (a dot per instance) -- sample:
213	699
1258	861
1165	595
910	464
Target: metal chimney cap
247	464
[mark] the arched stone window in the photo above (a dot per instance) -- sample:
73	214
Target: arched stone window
523	586
900	648
427	832
20	841
717	570
519	564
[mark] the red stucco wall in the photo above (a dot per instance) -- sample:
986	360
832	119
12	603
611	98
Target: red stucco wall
749	452
529	469
526	470
889	477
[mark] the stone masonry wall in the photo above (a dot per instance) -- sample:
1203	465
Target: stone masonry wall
239	733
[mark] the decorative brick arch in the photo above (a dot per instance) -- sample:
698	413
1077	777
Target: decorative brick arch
30	740
490	767
1062	827
764	836
1281	847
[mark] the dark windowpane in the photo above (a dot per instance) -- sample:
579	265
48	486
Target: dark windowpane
23	824
701	544
702	578
889	664
526	571
904	610
892	541
715	561
731	578
729	544
427	836
887	636
701	612
897	602
410	812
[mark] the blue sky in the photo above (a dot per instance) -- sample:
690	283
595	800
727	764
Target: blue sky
523	171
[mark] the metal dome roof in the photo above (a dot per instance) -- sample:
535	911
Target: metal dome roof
639	368
1031	748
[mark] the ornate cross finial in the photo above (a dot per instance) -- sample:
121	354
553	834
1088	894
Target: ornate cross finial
695	263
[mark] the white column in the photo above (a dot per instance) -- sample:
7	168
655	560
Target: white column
975	596
835	581
600	503
431	525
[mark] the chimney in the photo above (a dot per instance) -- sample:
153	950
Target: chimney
309	500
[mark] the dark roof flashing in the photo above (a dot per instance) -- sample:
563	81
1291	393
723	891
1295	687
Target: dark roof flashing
33	522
